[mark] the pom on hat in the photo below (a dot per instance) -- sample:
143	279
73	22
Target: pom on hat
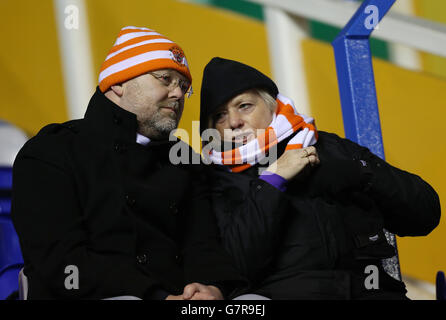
138	51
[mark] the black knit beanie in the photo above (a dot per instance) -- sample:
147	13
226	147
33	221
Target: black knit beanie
224	79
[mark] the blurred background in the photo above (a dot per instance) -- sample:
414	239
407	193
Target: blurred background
52	51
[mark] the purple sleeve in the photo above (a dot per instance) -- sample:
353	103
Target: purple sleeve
274	179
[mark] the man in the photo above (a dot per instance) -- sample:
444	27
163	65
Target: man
307	224
99	209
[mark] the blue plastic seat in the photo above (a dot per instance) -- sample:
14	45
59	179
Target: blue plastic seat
10	252
9	280
5	190
5	178
11	260
5	206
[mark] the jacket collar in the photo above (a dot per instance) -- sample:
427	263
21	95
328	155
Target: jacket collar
111	121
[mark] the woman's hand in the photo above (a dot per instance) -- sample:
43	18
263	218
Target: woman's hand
292	162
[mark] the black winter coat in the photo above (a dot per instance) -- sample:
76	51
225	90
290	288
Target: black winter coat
86	194
315	240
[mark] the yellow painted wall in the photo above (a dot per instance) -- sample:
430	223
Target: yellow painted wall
31	78
33	94
434	10
412	110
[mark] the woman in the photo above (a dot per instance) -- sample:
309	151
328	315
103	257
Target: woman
310	224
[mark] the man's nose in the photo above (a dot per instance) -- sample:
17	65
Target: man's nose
176	92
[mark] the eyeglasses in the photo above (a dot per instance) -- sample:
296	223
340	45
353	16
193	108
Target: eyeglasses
171	82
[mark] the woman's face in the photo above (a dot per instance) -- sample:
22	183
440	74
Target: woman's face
239	119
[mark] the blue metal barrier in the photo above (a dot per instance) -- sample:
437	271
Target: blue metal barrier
357	89
11	260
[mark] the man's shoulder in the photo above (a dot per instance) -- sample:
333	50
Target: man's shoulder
328	136
68	127
51	140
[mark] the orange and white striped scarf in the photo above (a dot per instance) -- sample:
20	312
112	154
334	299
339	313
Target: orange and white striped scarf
286	121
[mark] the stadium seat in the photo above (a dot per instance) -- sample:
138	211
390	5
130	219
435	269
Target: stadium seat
5	178
9	276
12	139
11	260
10	252
5	206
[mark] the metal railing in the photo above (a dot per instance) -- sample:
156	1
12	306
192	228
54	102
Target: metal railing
414	32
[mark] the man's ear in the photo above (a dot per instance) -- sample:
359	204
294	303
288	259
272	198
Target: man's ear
117	89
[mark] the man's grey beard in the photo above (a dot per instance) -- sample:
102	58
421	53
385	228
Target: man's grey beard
158	126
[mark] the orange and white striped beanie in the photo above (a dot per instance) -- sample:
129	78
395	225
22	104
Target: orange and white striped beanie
138	51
